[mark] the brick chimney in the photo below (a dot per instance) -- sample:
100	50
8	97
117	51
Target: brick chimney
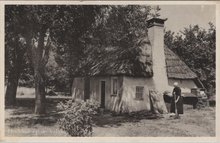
156	37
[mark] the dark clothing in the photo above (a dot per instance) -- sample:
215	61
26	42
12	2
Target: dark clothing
176	91
179	104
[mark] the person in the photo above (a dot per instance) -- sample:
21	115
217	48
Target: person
177	101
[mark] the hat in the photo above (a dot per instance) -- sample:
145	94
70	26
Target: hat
175	84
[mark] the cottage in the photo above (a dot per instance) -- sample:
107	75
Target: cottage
120	85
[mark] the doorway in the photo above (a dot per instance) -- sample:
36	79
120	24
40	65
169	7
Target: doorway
86	88
102	94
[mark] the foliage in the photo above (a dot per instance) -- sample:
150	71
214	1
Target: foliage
71	28
68	29
77	119
196	47
57	75
40	27
122	29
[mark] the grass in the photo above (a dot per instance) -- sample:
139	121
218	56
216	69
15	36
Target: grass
20	121
193	123
25	92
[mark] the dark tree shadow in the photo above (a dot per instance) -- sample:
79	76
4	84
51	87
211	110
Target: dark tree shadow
22	115
109	119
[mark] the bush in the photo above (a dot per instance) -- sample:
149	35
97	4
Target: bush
78	115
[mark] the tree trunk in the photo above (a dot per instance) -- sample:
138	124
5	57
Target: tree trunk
39	56
40	100
10	96
14	73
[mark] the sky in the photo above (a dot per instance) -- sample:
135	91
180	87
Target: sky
180	16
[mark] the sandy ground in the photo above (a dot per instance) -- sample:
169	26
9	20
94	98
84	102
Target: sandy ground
20	121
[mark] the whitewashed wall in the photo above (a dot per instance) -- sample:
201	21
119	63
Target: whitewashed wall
184	84
129	90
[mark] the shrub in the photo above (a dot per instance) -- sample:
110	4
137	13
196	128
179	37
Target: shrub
77	118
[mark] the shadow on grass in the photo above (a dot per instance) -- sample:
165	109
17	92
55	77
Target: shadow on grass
22	115
108	119
16	122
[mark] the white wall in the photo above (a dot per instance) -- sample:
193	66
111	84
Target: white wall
78	88
129	90
127	87
95	89
184	84
156	36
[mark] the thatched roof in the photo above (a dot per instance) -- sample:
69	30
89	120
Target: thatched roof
113	61
118	61
176	68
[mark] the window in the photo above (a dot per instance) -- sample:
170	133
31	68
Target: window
139	92
115	86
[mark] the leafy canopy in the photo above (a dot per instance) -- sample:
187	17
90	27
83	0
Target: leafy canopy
196	47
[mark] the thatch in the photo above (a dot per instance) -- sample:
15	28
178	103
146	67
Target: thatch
176	68
117	61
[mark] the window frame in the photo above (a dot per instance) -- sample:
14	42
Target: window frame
114	86
139	92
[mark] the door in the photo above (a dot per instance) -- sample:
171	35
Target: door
86	88
102	94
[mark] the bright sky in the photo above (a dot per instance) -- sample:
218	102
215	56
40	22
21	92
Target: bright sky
180	16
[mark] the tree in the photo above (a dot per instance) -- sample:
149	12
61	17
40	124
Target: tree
14	65
122	28
14	55
196	47
40	26
70	29
26	25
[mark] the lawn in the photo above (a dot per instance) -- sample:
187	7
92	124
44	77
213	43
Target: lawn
20	121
